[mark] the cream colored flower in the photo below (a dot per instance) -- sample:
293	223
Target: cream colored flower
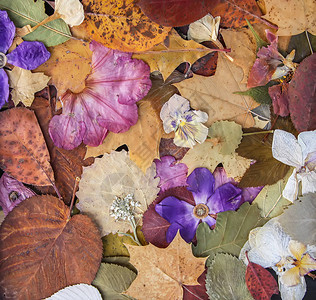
71	11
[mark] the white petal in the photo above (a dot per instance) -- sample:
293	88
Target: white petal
295	292
201	116
71	11
291	189
180	141
286	149
308	182
307	141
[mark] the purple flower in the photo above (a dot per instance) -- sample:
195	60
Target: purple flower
209	201
28	55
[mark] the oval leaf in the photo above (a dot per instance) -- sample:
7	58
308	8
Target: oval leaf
23	152
78	292
43	251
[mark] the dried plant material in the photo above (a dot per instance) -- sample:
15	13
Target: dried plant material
71	11
292	17
24	84
228	135
166	58
78	292
209	155
115	175
23	152
42	250
225	278
68	66
260	123
220	103
121	25
163	272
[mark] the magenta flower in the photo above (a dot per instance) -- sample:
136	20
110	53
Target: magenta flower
28	55
108	102
209	201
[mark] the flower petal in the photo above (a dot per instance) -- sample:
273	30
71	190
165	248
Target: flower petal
249	194
307	141
295	292
4	87
201	184
209	220
226	197
221	178
71	11
291	188
308	264
297	249
187	231
286	148
28	55
7	31
174	107
308	182
291	277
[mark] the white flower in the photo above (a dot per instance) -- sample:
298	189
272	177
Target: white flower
300	154
71	11
205	29
177	116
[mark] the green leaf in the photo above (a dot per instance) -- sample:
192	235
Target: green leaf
230	233
225	279
259	41
299	219
259	93
111	280
28	12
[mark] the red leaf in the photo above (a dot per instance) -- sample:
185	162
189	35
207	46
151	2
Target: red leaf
193	292
167	147
261	284
302	104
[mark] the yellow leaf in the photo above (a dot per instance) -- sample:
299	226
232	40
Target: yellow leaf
24	84
163	272
69	65
121	25
214	94
166	58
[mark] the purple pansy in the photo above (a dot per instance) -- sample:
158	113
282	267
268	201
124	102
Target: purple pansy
209	201
28	55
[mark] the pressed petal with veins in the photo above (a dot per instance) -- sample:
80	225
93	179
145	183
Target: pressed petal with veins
71	11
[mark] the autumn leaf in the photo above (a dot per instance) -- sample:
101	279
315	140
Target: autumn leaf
167	147
166	58
163	272
43	251
193	292
260	282
292	17
23	152
121	25
24	84
77	291
230	233
220	103
68	66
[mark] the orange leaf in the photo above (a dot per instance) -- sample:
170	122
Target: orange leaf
121	25
42	251
23	152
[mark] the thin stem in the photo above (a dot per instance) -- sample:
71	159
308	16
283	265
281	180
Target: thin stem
309	42
135	231
53	17
73	196
57	192
258	132
273	207
131	237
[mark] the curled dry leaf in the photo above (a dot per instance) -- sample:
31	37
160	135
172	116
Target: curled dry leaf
23	152
110	176
43	251
121	25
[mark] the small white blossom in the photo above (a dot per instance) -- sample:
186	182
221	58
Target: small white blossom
187	124
124	208
301	154
71	11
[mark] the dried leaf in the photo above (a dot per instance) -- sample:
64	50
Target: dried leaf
167	147
78	292
166	58
292	17
43	251
24	84
260	282
208	155
260	123
163	272
121	25
220	103
225	278
68	66
23	152
112	280
115	175
230	233
299	221
206	65
193	292
302	95
259	93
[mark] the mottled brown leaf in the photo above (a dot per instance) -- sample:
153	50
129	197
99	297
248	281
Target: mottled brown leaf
42	251
167	147
23	152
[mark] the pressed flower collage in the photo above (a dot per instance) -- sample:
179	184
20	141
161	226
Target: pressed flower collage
157	149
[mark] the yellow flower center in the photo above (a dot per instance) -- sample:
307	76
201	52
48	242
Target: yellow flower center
182	123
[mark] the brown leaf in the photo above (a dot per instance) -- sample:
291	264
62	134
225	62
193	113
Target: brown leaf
67	165
23	152
42	251
167	147
163	272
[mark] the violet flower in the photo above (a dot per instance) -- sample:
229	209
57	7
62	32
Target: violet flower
28	55
209	201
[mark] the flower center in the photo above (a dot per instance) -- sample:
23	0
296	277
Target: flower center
182	123
3	60
201	211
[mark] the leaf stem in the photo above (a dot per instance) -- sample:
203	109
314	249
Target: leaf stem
132	221
73	196
53	17
258	132
309	42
